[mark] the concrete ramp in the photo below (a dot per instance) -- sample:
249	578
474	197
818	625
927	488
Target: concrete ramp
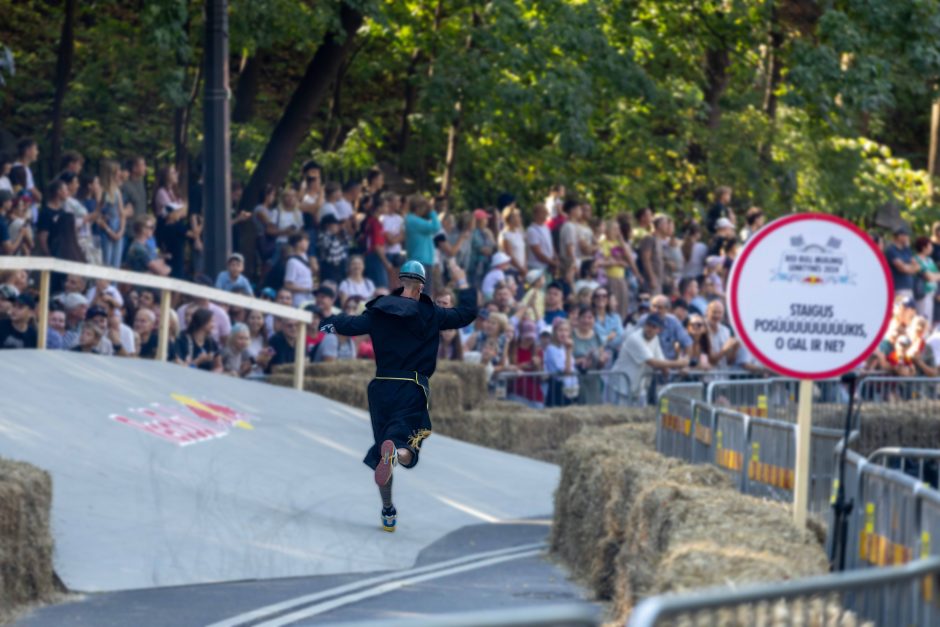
165	476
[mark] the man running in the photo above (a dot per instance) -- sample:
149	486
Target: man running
405	328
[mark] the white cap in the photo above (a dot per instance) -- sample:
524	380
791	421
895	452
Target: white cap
73	300
500	258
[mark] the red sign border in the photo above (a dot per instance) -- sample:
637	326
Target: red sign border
734	285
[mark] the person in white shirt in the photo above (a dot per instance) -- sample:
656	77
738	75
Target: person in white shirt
332	193
346	205
288	217
512	240
497	273
27	151
538	239
311	193
298	277
393	226
555	199
355	284
723	344
640	355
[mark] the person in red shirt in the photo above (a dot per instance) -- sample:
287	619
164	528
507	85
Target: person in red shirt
377	264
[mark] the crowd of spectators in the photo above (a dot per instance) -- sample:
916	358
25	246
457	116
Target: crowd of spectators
574	306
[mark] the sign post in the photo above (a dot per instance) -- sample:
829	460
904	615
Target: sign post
810	297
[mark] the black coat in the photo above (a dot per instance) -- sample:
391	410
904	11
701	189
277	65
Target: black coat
405	332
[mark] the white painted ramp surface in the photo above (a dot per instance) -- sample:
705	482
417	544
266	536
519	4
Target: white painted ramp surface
278	490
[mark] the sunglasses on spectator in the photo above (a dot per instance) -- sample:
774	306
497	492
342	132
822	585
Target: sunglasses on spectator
696	324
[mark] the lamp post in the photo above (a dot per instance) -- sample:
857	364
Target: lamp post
217	200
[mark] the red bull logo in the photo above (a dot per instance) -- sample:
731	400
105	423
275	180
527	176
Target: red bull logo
192	422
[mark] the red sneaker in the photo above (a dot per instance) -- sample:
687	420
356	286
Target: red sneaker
383	472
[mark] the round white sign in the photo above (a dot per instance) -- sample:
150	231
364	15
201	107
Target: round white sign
810	296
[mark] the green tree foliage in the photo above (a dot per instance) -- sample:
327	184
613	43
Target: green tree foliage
799	105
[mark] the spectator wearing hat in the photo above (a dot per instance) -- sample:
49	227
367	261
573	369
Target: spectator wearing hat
482	247
98	316
232	278
724	233
18	330
640	356
903	265
499	263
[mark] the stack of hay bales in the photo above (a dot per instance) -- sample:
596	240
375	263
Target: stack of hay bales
25	539
631	523
461	408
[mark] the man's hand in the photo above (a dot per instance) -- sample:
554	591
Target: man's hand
456	272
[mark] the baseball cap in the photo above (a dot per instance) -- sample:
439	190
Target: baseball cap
94	312
556	285
527	329
910	303
325	290
26	299
328	219
269	293
534	275
654	320
5	195
236	256
902	229
500	258
8	292
723	223
73	300
480	214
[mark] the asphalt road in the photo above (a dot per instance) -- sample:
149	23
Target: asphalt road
489	566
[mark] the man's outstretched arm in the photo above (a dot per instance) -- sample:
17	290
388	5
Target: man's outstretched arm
466	310
350	326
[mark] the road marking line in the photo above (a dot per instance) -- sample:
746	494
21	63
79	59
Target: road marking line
466	509
290	604
391	586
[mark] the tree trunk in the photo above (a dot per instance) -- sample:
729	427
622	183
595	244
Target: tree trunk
774	72
182	116
450	161
933	157
63	70
292	128
411	97
716	72
246	92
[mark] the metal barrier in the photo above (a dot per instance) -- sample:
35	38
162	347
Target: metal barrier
904	595
771	446
777	398
916	462
915	393
674	433
544	389
731	444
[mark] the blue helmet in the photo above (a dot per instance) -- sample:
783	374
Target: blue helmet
413	270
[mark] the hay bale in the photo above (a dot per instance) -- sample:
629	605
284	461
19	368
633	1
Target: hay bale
341	368
26	574
474	392
602	470
348	390
446	393
672	520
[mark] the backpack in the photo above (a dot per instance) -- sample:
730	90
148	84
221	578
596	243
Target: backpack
275	276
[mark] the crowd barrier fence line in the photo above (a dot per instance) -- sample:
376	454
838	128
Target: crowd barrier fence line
901	595
557	389
47	265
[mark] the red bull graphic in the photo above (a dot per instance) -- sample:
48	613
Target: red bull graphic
193	422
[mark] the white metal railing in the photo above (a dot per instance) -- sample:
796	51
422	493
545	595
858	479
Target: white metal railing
46	265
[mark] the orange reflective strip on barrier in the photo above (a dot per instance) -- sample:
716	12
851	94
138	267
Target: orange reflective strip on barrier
687	426
791	479
863	546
